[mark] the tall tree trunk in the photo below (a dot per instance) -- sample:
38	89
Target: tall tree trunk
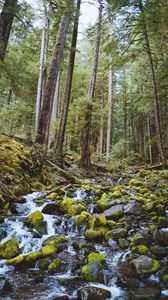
45	116
110	109
86	135
6	20
62	127
155	89
42	71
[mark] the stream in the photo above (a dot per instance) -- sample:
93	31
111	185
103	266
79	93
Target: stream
34	283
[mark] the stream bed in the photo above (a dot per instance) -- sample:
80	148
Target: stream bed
116	279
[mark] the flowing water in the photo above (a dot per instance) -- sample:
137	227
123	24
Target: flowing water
34	283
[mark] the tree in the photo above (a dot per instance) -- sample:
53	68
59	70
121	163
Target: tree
6	20
62	127
86	135
46	111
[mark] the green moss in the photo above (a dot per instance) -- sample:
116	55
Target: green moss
103	202
89	274
48	250
165	279
55	240
92	257
54	266
144	173
160	210
154	269
151	228
9	249
44	263
141	249
33	256
94	234
143	191
112	224
36	220
135	182
76	209
116	194
15	261
65	204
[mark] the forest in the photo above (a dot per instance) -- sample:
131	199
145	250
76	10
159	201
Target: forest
84	149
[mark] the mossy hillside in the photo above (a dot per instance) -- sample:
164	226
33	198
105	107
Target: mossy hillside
19	172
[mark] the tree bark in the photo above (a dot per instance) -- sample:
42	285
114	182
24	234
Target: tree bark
67	95
45	116
86	135
155	90
110	109
6	21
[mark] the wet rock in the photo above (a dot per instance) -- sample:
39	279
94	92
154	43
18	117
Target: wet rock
44	263
92	292
93	272
3	234
133	208
56	240
36	220
146	265
9	249
149	293
123	243
119	233
114	213
5	286
162	222
50	209
141	238
162	237
94	235
59	297
159	251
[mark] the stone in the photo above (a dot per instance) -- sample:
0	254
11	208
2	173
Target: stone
114	213
92	292
159	251
5	286
9	249
142	262
162	237
93	272
133	208
119	233
50	209
148	293
141	238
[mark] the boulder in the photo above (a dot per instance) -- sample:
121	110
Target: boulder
92	292
148	293
5	286
142	262
50	209
162	237
93	272
9	249
133	208
114	213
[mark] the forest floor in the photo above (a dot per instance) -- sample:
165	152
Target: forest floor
77	228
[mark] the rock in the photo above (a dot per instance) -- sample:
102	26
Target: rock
146	265
114	213
133	208
94	235
148	293
36	220
141	249
141	238
55	240
44	263
92	292
9	249
119	233
3	234
159	251
135	182
162	237
50	209
123	243
5	287
54	266
162	222
76	209
59	297
93	272
92	257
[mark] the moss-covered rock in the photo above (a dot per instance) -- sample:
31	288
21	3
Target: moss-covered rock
54	266
9	249
76	209
135	182
165	279
44	263
94	234
65	204
93	272
141	249
92	257
55	240
154	269
36	220
16	261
